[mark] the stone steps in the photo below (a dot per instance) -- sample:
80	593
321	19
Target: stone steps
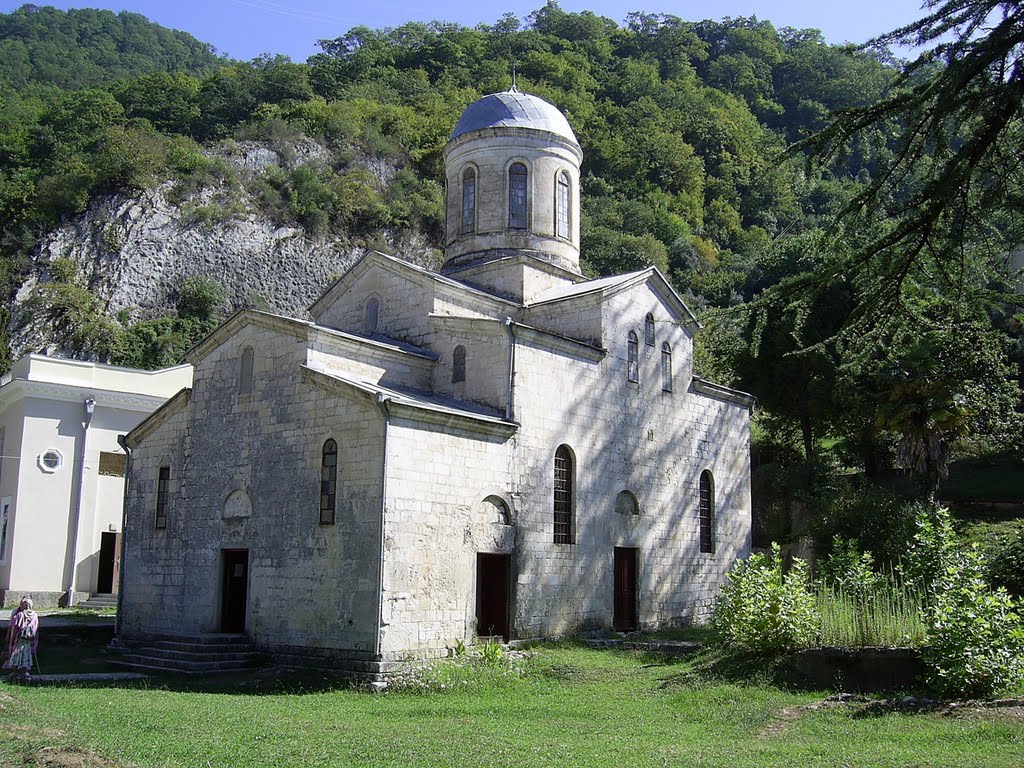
193	655
99	601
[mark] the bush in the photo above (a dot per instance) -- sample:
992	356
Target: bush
1006	566
975	634
200	297
763	610
848	570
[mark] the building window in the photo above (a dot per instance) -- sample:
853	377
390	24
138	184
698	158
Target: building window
562	200
371	315
563	501
707	513
328	482
626	504
112	464
163	483
649	330
5	514
245	372
666	367
633	357
50	460
517	196
459	364
468	201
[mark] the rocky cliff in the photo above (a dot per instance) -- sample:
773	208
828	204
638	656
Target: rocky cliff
134	252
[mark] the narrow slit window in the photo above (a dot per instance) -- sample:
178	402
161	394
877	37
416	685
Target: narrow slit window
562	201
245	372
633	357
468	201
563	501
649	330
372	314
459	364
517	196
163	484
707	513
666	367
328	482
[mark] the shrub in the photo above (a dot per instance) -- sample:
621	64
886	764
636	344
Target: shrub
1006	566
975	634
848	570
763	610
200	297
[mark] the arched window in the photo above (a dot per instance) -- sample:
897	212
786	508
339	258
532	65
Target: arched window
666	367
517	196
459	364
649	330
626	504
562	200
371	315
563	501
468	201
245	372
328	482
633	357
706	512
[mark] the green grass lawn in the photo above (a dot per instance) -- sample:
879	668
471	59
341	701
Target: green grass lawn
564	705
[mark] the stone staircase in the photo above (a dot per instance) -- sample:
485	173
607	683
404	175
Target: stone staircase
193	655
97	600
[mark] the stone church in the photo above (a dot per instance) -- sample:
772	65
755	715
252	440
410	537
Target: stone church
504	448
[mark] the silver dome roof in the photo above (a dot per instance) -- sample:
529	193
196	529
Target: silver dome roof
513	109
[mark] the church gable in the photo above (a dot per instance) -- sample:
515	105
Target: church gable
382	295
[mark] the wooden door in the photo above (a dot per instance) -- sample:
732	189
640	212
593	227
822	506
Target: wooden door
234	597
624	609
493	581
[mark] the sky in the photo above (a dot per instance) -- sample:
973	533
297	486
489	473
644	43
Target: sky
244	29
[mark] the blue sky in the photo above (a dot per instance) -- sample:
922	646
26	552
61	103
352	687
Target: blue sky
244	29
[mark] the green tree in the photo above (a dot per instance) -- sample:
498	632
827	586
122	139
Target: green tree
950	196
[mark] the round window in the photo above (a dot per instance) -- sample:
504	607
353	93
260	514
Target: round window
50	460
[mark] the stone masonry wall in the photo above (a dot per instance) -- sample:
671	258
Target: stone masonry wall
435	525
251	481
631	437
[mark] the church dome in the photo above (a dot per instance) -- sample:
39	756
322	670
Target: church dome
513	109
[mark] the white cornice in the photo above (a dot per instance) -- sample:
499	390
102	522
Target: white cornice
557	343
720	392
17	389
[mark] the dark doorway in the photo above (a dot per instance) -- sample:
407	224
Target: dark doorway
109	563
493	573
236	583
624	617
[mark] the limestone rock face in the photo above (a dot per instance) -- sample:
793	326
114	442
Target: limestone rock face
135	251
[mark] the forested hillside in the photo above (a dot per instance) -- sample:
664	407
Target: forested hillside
85	48
684	126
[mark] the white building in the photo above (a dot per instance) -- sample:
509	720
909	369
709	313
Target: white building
62	471
503	448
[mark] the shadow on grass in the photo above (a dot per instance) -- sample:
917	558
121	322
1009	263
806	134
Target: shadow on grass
270	681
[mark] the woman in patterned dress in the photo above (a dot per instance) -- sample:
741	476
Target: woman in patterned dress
22	641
